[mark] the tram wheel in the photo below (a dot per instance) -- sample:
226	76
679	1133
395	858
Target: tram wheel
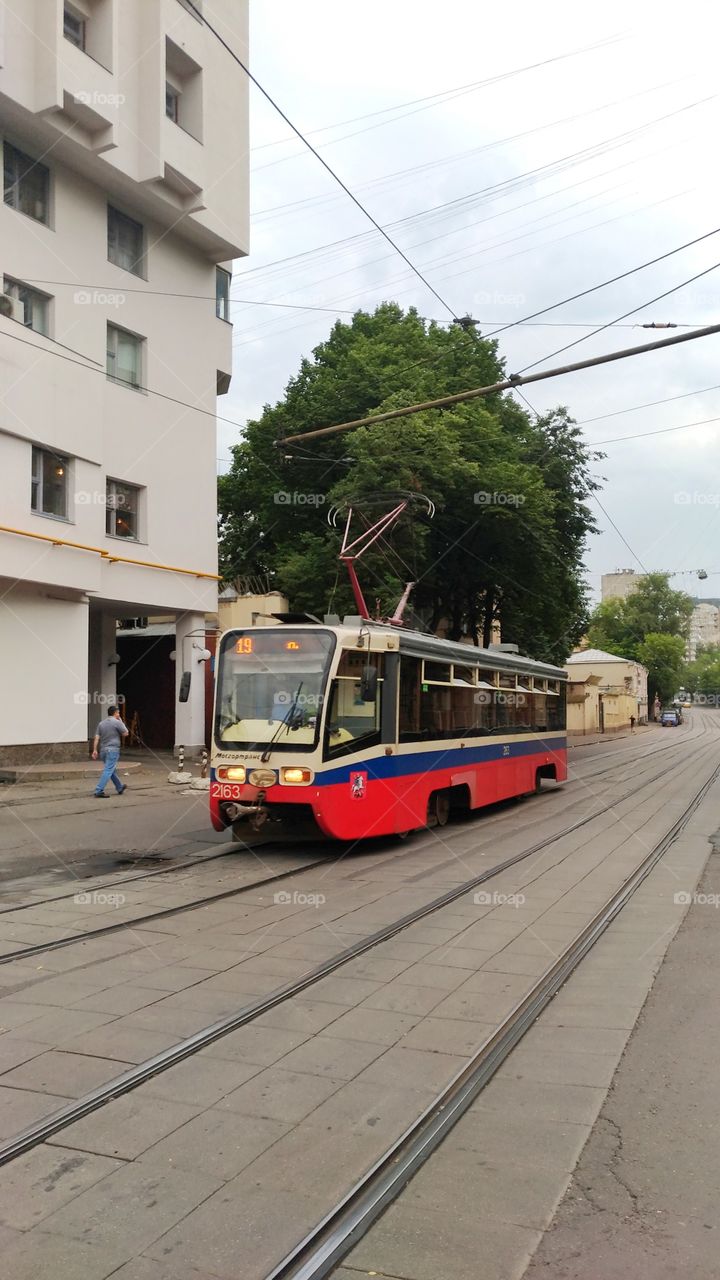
438	809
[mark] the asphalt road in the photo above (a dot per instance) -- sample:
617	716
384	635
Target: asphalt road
61	829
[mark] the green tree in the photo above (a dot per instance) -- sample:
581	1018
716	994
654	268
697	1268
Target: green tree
510	492
702	676
653	608
664	657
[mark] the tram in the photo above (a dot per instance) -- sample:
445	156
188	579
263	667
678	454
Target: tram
366	729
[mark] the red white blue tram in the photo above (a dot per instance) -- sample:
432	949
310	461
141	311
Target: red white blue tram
365	729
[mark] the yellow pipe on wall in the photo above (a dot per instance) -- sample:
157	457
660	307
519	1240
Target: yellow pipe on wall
108	555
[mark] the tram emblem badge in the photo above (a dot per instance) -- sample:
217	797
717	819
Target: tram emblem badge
358	783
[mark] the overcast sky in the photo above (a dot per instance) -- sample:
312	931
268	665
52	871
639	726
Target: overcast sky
562	176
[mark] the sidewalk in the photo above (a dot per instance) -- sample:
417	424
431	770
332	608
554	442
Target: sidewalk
590	739
643	1199
23	783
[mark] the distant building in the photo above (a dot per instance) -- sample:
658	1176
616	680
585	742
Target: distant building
704	627
620	584
605	690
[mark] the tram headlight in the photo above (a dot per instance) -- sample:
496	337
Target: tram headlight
295	777
236	773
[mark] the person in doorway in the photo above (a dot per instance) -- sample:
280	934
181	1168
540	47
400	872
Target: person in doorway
632	724
106	744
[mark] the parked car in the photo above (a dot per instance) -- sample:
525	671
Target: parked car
669	717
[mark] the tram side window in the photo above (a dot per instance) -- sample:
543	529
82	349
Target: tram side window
540	711
556	705
352	724
409	722
436	711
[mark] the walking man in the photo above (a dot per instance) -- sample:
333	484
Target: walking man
632	724
108	737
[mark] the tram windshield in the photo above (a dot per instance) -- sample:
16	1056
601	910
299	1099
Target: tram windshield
271	688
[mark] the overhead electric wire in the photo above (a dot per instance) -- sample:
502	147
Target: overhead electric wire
633	311
660	431
506	384
100	369
651	404
334	248
622	538
623	275
446	95
310	306
359	293
532	248
236	58
335	245
604	145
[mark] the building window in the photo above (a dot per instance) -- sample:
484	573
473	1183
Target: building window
126	239
74	27
49	486
183	90
32	307
124	356
123	502
26	184
172	102
222	293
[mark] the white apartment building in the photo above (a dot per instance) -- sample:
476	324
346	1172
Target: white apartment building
704	627
124	135
620	584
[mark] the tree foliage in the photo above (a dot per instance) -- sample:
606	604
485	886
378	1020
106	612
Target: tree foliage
653	608
703	674
664	657
510	492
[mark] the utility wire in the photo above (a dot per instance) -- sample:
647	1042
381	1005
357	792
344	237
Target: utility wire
506	385
339	311
634	555
651	404
651	262
318	156
633	311
444	95
96	368
661	431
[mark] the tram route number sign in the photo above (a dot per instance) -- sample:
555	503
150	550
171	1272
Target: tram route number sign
226	790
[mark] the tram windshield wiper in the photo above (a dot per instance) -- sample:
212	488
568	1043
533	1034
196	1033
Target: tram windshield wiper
285	723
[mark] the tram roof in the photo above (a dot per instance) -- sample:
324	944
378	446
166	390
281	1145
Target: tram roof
419	645
415	644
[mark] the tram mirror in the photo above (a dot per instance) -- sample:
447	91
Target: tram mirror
184	692
368	684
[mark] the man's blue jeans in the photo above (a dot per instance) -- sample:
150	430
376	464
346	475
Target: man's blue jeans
110	759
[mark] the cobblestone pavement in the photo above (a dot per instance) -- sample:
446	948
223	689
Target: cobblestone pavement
217	1166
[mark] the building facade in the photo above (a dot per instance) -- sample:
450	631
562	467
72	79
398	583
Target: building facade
123	207
704	627
619	691
619	585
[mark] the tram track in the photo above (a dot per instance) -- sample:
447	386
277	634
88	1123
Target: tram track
238	847
186	1048
320	1251
31	950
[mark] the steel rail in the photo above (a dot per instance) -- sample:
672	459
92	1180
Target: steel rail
39	948
330	1241
110	884
45	1128
239	846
